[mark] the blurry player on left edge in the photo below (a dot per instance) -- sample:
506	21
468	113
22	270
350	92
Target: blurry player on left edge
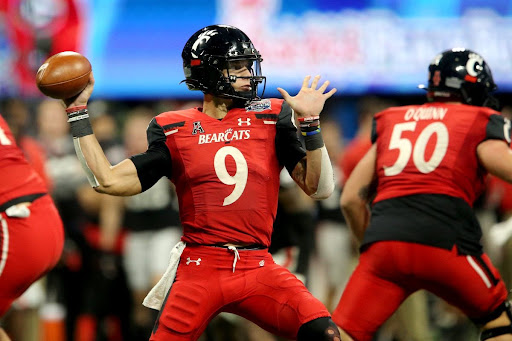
31	232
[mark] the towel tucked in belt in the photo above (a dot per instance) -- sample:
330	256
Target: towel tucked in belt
156	296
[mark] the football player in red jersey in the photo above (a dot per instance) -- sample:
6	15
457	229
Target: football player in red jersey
428	165
224	159
31	232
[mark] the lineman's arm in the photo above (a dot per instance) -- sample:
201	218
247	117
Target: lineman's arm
356	194
121	179
496	157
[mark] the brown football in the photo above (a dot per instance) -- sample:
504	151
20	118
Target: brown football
63	75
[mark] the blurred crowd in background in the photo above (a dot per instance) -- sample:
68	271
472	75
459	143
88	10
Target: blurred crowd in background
117	248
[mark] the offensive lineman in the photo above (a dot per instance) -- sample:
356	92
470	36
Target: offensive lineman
428	164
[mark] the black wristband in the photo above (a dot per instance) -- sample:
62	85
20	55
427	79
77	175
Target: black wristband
313	142
81	128
79	123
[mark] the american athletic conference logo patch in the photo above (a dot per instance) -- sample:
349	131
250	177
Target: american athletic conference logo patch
258	106
197	128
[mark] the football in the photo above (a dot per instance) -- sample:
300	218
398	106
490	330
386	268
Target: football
63	75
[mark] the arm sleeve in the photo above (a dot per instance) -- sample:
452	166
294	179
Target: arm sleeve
498	128
156	161
289	149
374	130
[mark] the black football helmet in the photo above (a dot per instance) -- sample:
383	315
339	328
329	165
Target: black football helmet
463	75
216	48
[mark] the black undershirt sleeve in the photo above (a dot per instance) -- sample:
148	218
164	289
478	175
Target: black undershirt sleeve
289	149
498	128
156	161
374	130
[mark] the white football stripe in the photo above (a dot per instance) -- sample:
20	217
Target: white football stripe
171	132
5	245
479	271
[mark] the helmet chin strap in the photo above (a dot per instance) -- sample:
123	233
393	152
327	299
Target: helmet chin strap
489	101
492	102
244	95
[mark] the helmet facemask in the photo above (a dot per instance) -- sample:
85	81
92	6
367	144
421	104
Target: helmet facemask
241	67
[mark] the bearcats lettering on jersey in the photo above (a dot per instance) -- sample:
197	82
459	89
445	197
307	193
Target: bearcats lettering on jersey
227	136
17	177
227	173
429	175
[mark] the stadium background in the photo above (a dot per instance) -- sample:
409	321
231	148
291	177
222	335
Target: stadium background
378	48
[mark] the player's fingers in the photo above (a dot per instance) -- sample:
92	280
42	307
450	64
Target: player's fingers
69	101
305	83
324	86
330	93
91	78
315	82
284	93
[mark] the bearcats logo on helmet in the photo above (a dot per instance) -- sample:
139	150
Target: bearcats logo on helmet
203	37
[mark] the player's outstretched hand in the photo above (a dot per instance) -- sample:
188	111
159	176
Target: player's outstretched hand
310	100
82	98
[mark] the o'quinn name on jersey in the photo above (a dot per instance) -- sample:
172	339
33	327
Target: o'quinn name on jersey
227	136
426	113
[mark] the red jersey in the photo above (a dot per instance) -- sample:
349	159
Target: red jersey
226	172
429	175
431	149
17	177
353	153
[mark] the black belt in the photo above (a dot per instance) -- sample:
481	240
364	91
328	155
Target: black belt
18	200
245	247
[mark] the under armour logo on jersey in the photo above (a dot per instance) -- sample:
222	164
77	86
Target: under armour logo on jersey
262	262
197	128
246	122
197	261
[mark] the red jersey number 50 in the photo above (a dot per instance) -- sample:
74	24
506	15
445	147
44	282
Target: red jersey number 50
240	177
406	148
